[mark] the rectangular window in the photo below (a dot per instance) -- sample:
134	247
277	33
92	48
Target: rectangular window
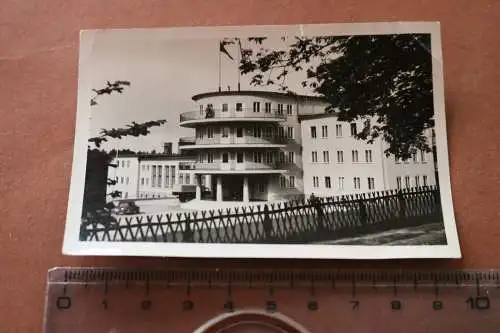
423	156
256	106
188	178
142	180
172	171
147	181
281	132
269	157
225	132
280	108
417	181
289	109
397	160
239	157
424	180
282	182
261	187
340	156
153	181
315	181
201	108
160	176
289	132
354	129
415	157
123	164
268	131
166	176
257	157
314	156
201	158
326	156
210	132
341	183
282	157
126	181
210	157
128	164
291	182
239	132
225	107
368	156
181	178
313	132
371	183
357	183
268	107
338	130
324	131
239	106
143	168
328	182
225	157
291	157
355	156
407	181
257	132
398	183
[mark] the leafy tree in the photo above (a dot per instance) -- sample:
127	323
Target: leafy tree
99	161
386	78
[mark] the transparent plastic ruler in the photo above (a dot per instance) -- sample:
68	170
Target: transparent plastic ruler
199	300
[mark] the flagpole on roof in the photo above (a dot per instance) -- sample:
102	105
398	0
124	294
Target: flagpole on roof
218	51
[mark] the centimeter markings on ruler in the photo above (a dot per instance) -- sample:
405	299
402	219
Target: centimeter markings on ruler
355	280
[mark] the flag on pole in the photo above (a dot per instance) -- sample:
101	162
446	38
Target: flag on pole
222	48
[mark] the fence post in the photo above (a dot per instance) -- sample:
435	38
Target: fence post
402	205
187	234
317	204
362	212
267	223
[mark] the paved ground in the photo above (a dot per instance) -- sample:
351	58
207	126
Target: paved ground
429	234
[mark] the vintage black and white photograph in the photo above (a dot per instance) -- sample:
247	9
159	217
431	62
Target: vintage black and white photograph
304	141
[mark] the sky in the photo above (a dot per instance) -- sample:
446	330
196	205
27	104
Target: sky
164	74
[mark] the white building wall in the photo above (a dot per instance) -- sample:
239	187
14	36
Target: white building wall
419	170
289	184
126	174
341	171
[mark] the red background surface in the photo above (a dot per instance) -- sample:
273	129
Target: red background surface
38	84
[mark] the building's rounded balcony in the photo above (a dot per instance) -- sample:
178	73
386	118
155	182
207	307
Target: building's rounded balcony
193	118
240	168
238	142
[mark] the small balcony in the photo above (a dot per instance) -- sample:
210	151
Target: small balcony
233	141
191	118
244	167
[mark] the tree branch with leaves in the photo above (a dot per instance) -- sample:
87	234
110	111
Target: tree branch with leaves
384	78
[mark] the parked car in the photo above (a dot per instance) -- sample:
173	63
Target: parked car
126	208
100	216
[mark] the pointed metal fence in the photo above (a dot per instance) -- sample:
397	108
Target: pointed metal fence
311	220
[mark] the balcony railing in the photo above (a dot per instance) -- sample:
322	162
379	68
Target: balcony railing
231	114
243	140
245	166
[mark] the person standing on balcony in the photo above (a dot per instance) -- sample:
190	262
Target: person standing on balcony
209	111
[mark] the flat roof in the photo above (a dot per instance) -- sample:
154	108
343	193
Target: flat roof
256	93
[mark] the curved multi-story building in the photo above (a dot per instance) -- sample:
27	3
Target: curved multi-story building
249	141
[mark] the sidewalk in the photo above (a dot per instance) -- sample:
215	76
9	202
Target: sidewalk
428	234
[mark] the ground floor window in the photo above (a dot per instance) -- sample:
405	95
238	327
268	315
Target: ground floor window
398	183
371	183
417	181
291	182
357	183
424	179
407	181
328	182
315	181
282	181
341	183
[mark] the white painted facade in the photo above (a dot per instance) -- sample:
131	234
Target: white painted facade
335	163
251	143
126	174
152	176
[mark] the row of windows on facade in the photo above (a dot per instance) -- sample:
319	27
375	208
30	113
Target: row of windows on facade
338	130
184	179
123	163
370	181
256	107
256	131
340	156
341	180
257	157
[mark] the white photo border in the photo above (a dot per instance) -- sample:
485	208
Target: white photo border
73	246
